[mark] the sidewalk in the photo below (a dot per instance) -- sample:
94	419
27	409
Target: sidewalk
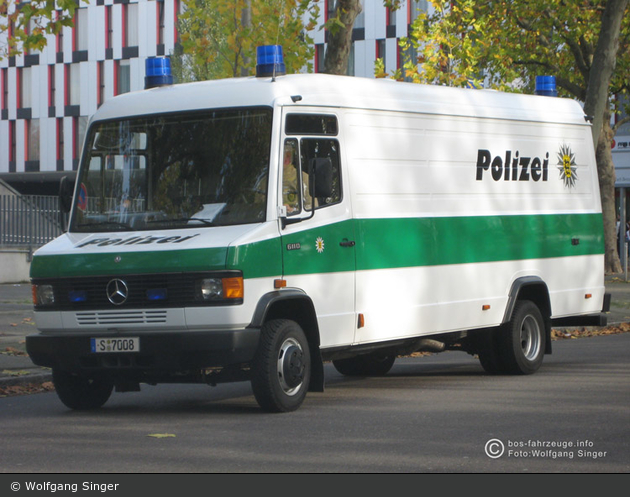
17	320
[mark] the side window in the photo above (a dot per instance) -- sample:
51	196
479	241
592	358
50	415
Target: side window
291	197
324	148
299	157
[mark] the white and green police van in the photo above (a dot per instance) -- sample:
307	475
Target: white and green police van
255	228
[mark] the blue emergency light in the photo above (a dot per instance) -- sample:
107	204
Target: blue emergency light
77	296
546	85
269	61
156	294
157	72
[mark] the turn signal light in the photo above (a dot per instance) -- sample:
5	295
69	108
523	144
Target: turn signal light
233	288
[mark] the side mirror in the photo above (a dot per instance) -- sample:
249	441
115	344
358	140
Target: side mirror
321	177
66	189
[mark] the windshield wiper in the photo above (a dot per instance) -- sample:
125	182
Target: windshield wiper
114	224
206	222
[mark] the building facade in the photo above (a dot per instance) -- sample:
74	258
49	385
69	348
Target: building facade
47	98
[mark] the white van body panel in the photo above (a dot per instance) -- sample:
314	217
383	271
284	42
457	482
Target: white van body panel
445	210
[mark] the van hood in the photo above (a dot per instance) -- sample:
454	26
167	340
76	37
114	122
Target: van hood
166	251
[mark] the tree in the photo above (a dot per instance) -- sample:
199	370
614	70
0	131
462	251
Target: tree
505	44
219	37
340	38
24	24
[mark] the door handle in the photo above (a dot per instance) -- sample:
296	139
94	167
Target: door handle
347	243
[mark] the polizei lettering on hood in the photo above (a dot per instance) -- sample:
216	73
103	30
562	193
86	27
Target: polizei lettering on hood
136	240
512	167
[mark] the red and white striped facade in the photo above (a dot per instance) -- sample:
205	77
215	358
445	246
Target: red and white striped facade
47	98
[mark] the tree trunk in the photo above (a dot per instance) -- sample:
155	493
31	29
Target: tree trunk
596	105
606	173
340	37
603	65
246	23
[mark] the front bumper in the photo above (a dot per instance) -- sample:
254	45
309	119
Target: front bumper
166	352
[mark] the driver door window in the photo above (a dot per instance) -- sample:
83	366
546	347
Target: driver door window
296	191
291	197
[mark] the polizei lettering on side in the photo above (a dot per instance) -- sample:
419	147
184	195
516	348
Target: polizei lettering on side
512	167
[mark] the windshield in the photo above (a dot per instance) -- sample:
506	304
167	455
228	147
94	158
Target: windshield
161	172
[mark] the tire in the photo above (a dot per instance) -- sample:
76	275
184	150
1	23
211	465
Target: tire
488	351
80	392
375	364
522	339
281	369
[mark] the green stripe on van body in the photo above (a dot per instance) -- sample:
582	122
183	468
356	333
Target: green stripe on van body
318	250
380	244
149	262
409	242
256	260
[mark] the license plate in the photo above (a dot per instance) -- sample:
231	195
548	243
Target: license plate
104	345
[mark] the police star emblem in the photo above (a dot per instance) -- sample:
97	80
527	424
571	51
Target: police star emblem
567	166
319	244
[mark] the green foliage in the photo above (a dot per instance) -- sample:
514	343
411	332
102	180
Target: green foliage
24	24
505	44
219	37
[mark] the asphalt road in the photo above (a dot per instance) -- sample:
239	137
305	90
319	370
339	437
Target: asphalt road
438	414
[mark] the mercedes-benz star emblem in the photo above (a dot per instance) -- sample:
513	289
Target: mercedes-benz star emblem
117	292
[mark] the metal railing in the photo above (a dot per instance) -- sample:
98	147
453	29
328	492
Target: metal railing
29	220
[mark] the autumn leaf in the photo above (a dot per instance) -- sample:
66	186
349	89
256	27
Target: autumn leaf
13	351
161	435
11	372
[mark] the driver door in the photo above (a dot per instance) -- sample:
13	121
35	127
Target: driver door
318	232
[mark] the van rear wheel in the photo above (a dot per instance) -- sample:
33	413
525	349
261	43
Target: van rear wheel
81	393
281	369
375	364
489	353
522	340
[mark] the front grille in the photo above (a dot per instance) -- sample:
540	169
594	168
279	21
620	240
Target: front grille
111	318
143	291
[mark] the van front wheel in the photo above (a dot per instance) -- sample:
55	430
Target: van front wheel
522	341
79	392
281	369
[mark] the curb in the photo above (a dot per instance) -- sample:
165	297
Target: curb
26	379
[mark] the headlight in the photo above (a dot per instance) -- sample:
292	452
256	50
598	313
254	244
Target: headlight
43	295
213	289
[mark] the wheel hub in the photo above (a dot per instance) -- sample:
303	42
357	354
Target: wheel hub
291	366
530	338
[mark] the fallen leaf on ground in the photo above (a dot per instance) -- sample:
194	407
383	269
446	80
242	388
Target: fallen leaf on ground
12	372
27	389
589	332
14	351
